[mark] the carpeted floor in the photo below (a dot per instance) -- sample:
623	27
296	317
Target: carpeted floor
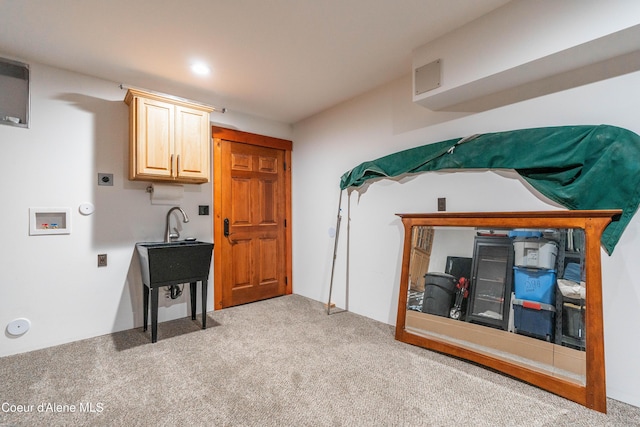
280	362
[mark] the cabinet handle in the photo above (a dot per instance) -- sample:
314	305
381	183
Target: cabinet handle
172	166
177	165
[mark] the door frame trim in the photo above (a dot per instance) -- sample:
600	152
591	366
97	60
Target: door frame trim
218	134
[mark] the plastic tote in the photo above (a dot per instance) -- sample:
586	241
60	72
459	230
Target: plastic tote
535	284
534	319
539	253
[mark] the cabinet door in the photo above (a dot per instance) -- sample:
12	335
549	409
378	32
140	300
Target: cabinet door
154	127
491	282
192	144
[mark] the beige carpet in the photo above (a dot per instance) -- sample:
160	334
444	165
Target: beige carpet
280	362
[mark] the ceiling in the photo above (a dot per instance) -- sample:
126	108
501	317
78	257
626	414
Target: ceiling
283	60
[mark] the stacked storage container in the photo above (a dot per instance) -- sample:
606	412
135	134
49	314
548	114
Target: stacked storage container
533	318
534	280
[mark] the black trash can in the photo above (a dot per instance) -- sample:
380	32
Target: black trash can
439	290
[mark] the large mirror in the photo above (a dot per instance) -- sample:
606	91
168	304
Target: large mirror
517	292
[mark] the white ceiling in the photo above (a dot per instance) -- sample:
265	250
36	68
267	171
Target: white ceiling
279	59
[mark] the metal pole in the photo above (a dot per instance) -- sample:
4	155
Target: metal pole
335	252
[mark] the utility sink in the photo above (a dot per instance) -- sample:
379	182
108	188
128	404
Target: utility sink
173	263
165	264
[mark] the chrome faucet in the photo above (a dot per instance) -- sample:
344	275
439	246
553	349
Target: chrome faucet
168	235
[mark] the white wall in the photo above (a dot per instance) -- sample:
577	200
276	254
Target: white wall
79	127
385	121
450	241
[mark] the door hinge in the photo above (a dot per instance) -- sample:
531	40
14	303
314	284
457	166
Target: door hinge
286	280
285	223
285	166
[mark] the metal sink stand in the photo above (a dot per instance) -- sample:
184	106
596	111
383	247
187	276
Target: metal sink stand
154	290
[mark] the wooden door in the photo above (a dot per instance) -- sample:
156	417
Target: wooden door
252	223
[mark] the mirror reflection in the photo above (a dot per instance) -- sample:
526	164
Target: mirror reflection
517	294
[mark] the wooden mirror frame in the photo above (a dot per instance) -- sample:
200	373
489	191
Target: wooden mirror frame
593	222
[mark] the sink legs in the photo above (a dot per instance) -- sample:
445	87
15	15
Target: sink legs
145	297
204	302
153	294
192	290
154	311
154	314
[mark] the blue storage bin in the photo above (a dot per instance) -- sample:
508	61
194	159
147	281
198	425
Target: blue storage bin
525	232
573	272
534	319
535	284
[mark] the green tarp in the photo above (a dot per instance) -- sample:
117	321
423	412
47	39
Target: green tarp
579	167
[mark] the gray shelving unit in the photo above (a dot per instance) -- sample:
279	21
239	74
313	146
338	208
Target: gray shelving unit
570	311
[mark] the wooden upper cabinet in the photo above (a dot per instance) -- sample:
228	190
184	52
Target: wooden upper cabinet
169	139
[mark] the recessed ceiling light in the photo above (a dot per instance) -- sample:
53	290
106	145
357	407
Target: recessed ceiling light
200	69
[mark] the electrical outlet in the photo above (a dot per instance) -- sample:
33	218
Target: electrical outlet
102	260
442	204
